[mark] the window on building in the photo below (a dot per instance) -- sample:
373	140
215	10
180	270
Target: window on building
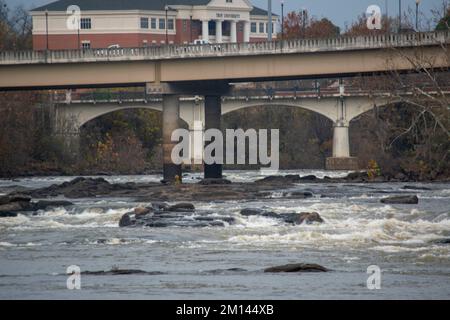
144	23
261	27
170	24
185	25
86	23
144	43
253	27
229	1
85	45
153	23
162	24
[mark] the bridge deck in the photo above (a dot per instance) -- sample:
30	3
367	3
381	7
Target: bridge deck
155	53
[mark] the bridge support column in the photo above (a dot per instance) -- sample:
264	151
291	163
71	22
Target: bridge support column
171	118
213	113
66	129
341	159
196	145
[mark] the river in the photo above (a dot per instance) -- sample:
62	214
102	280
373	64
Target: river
228	262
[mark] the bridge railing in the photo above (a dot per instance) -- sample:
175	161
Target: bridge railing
119	97
227	49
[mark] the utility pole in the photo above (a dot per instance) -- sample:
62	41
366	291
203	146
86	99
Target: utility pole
399	16
269	26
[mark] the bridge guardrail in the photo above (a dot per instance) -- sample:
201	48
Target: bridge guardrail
227	49
250	93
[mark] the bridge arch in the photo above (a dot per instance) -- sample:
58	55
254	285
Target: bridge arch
325	108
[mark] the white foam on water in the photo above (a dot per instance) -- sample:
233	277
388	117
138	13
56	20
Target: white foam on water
7	244
60	218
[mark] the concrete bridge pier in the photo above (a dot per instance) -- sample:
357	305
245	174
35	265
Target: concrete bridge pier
171	122
193	113
66	129
341	159
213	113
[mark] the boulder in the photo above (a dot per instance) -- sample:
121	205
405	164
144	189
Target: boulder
294	218
297	267
214	182
308	178
309	218
401	200
160	206
280	179
142	211
416	188
16	206
7	214
357	176
299	218
182	207
14	198
44	204
301	194
251	212
126	221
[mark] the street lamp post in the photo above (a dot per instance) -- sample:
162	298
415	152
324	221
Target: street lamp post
282	19
399	16
167	9
269	26
167	34
190	29
417	14
46	28
304	17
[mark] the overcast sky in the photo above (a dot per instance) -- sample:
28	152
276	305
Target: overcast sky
339	11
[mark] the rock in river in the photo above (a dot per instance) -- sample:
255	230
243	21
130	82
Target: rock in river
182	207
294	218
401	200
161	215
297	267
309	217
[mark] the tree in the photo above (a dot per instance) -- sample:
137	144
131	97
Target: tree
299	25
322	28
359	27
15	28
444	23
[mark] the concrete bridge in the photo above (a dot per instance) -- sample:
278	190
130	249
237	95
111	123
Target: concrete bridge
231	62
208	70
73	111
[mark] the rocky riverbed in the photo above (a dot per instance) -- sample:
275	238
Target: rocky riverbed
250	236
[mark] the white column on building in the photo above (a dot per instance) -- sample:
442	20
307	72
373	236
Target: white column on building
233	31
219	31
246	31
205	30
